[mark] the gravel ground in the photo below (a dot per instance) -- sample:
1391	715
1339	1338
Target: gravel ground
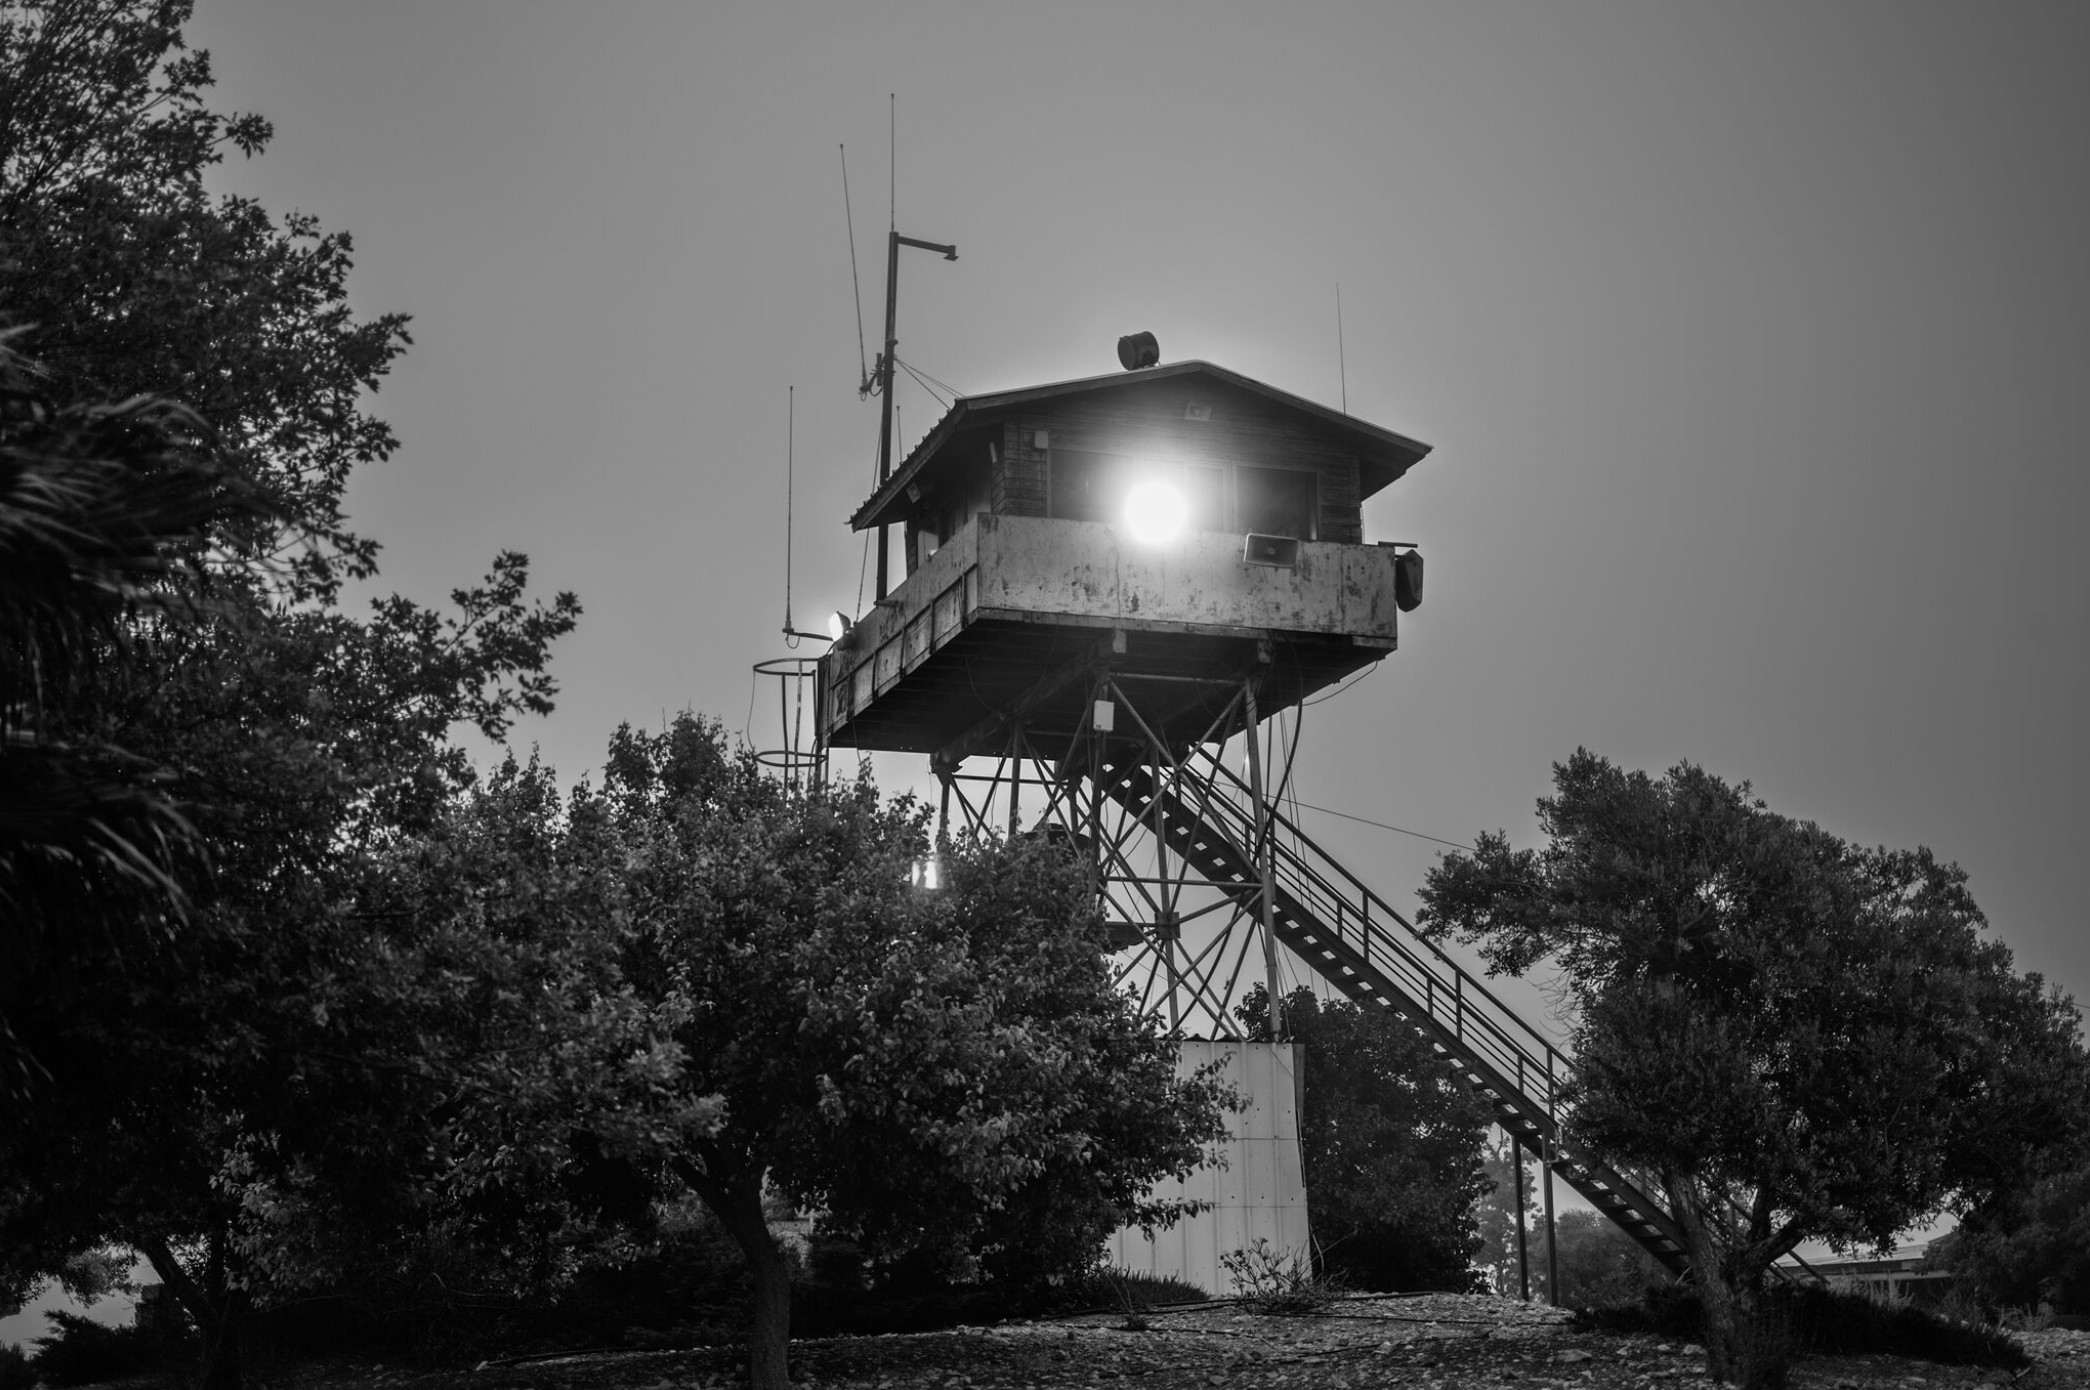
1430	1342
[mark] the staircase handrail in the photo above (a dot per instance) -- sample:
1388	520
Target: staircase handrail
1461	980
1493	1057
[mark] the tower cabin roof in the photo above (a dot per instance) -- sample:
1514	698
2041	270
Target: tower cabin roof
960	438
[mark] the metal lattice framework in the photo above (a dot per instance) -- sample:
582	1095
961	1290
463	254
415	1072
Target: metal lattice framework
1209	889
1189	947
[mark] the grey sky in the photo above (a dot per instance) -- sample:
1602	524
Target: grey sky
1751	339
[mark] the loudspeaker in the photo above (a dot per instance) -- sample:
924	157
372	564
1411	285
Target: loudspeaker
1138	350
1281	551
1407	580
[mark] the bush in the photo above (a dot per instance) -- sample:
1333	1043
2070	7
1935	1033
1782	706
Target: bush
1278	1282
85	1352
694	1277
1600	1265
1132	1291
15	1371
1822	1322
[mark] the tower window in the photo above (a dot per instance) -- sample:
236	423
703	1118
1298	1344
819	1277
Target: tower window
1087	487
1274	502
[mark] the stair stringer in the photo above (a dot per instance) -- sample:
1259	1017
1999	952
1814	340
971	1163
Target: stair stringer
1219	853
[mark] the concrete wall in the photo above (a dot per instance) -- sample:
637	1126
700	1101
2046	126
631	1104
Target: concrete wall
1260	1191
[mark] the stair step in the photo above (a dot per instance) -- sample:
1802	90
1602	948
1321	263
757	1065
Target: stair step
1209	834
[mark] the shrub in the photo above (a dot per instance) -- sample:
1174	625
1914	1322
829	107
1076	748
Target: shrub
1278	1281
85	1352
2028	1319
1137	1292
1823	1322
15	1371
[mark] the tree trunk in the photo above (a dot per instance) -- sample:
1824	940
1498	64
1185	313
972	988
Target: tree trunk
769	1330
218	1310
1745	1344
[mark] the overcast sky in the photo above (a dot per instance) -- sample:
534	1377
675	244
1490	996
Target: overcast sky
1752	341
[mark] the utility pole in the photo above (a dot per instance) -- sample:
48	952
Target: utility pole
893	242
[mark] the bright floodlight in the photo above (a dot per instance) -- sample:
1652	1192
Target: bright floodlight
1156	512
838	625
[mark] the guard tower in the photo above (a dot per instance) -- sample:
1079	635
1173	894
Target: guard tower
1116	590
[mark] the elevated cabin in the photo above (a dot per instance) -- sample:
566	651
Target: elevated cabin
1023	571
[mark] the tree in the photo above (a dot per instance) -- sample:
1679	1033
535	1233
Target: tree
177	1064
2026	1246
98	506
1495	1217
1390	1144
918	1065
137	282
174	1039
1798	1037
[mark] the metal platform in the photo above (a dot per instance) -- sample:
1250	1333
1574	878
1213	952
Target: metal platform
1008	617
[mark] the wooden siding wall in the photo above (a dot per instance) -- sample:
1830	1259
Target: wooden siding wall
1019	479
1241	430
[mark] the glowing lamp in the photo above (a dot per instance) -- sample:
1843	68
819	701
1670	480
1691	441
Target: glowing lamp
838	626
1156	512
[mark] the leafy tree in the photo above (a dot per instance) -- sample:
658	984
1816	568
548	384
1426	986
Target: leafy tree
1495	1216
1390	1143
181	1066
220	759
1600	1265
138	282
2027	1246
98	504
1798	1037
933	1070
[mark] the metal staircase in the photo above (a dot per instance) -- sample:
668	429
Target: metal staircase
1353	938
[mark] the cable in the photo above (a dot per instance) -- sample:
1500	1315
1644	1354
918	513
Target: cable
1382	825
936	380
863	567
1355	680
919	380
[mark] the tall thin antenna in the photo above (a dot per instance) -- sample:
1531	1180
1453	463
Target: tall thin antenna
855	280
892	166
888	358
1341	360
790	483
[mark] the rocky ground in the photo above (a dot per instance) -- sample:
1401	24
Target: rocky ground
1430	1342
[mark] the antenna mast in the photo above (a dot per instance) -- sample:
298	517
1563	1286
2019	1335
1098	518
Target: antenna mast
1342	359
894	241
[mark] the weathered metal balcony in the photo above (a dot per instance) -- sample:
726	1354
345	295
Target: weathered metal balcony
1012	609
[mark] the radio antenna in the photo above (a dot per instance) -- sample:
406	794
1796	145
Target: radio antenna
886	359
790	452
1342	363
855	280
